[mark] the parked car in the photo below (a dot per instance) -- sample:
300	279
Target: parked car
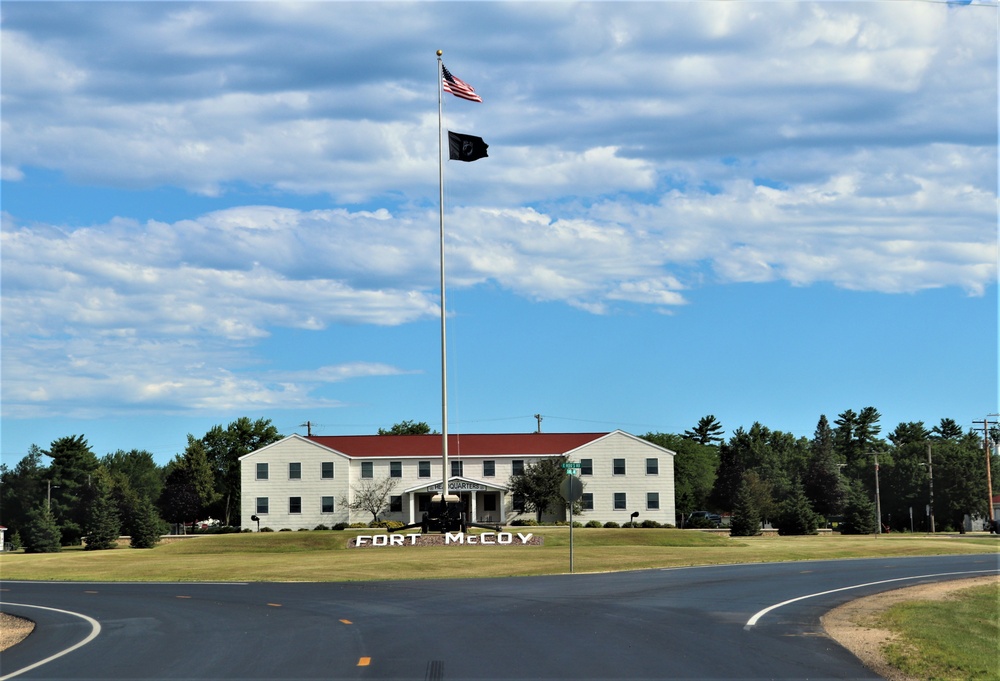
704	519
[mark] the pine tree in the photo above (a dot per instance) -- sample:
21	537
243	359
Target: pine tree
146	526
824	485
746	517
859	513
707	432
41	533
102	525
795	515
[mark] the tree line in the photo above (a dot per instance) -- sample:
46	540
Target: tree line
66	495
799	483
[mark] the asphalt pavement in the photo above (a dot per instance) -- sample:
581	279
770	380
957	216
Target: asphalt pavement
718	622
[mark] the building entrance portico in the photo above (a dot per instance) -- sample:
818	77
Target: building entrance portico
483	501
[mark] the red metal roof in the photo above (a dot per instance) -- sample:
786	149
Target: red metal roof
508	444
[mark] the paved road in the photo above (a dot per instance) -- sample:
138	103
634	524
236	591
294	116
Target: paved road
693	623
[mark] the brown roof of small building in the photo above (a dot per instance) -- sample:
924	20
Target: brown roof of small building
505	444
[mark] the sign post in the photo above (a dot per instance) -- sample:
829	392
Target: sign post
571	490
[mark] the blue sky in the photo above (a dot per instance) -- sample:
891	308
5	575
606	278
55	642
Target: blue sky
761	211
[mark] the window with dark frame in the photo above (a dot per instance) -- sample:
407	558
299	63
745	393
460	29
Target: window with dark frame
620	503
652	466
395	469
587	501
295	471
517	467
457	467
424	469
652	501
327	470
489	469
262	471
619	466
295	504
586	466
327	504
261	505
367	469
395	504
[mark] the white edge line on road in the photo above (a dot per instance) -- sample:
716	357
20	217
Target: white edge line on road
95	629
753	620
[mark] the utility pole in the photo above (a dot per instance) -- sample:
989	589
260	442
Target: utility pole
930	476
989	480
538	417
878	501
309	430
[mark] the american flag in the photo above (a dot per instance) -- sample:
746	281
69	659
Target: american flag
458	87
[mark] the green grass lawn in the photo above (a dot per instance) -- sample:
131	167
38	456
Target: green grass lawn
956	639
323	556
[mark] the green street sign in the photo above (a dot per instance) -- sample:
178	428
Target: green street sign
570	465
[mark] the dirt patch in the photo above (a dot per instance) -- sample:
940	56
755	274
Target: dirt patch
850	624
13	630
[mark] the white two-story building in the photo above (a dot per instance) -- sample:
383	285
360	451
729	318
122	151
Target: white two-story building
301	482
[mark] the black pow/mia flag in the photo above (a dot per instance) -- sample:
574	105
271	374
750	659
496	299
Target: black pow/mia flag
465	147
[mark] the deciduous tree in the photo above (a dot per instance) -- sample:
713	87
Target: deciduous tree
223	449
407	428
539	485
371	495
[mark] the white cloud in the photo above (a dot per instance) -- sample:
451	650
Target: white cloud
636	151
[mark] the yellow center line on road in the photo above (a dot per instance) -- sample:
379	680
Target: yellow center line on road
347	621
183	597
275	605
364	661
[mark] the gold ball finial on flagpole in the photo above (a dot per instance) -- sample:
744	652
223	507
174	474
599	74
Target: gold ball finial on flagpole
440	53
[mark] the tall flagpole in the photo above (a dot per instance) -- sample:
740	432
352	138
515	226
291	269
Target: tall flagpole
444	355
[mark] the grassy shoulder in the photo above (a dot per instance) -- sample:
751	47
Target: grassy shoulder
324	556
955	638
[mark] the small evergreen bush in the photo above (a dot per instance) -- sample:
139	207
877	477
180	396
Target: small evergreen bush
611	523
594	523
649	523
341	526
321	526
266	529
795	514
41	534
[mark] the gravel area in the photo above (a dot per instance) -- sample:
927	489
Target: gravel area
13	630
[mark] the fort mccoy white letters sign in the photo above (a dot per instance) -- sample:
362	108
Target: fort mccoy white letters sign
446	539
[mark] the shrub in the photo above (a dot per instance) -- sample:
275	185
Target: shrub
303	529
611	523
341	526
649	523
524	522
577	523
386	524
593	523
266	529
285	529
358	525
321	526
